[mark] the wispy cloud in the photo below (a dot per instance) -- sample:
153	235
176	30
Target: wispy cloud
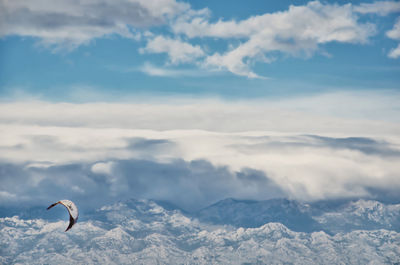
163	71
152	70
297	31
177	50
66	25
381	8
384	8
351	111
300	31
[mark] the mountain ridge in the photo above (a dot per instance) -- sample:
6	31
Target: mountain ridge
143	232
329	216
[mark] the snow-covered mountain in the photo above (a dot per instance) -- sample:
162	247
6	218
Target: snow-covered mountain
329	216
247	213
145	232
357	215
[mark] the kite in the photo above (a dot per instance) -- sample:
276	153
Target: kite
72	210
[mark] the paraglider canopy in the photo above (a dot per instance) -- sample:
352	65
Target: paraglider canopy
72	210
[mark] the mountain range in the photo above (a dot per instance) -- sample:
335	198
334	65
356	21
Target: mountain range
231	231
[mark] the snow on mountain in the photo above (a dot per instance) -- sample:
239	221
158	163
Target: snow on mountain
144	232
247	213
361	214
329	216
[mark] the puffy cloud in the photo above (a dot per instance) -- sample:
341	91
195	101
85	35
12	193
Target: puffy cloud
69	24
337	23
395	34
395	53
177	50
297	31
233	61
102	168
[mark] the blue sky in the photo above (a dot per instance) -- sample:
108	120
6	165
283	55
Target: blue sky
196	101
50	57
191	102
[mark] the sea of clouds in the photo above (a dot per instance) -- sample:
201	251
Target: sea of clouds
194	154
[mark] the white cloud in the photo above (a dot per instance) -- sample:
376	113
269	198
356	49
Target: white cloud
381	8
233	61
360	112
394	34
297	31
5	196
177	50
395	53
337	23
102	168
384	8
64	24
159	147
195	168
153	70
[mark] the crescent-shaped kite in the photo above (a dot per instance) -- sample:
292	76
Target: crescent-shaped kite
72	210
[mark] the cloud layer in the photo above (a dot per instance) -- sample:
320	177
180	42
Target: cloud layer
100	153
363	112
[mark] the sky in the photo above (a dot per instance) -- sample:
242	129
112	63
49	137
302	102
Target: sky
114	50
196	101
